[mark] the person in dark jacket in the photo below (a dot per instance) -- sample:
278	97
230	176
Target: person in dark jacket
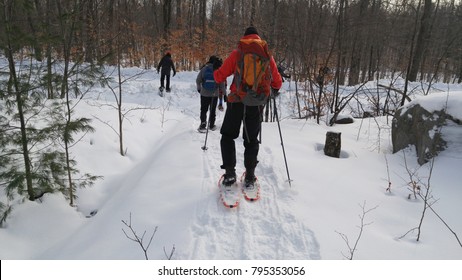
210	92
167	65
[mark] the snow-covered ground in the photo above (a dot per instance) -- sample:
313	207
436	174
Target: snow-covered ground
166	181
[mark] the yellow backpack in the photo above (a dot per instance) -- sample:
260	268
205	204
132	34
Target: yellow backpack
253	74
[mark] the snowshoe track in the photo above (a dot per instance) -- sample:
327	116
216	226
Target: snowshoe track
264	229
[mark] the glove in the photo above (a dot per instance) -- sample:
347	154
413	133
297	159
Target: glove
225	98
220	107
199	90
174	73
274	93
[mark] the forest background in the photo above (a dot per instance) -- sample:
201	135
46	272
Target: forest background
360	39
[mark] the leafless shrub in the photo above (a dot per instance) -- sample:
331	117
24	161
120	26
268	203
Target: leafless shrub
352	248
422	190
133	236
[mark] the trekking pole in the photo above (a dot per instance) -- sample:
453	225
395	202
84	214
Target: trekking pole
206	135
282	143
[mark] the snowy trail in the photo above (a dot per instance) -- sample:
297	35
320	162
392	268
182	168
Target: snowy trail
187	190
265	229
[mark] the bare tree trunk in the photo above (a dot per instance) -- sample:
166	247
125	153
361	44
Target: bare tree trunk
191	14
179	14
48	52
231	8
203	18
15	89
339	78
67	31
119	109
253	10
459	80
166	16
22	122
356	53
422	40
411	51
35	33
91	23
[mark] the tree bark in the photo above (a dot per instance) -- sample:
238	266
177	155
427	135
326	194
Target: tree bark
166	17
14	88
422	40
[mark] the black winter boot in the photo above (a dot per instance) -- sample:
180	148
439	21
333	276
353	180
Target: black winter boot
229	177
250	174
249	183
203	126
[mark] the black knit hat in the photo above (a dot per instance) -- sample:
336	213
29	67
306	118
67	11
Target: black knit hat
250	30
212	59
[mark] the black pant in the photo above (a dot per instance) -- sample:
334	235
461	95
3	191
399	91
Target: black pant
207	102
162	78
236	113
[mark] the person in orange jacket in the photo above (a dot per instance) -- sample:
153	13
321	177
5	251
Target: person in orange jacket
237	113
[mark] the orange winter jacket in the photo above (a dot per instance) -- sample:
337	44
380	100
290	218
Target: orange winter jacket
229	67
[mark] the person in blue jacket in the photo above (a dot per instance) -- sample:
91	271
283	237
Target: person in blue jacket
211	93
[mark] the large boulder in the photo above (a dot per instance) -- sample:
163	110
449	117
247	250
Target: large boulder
414	125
